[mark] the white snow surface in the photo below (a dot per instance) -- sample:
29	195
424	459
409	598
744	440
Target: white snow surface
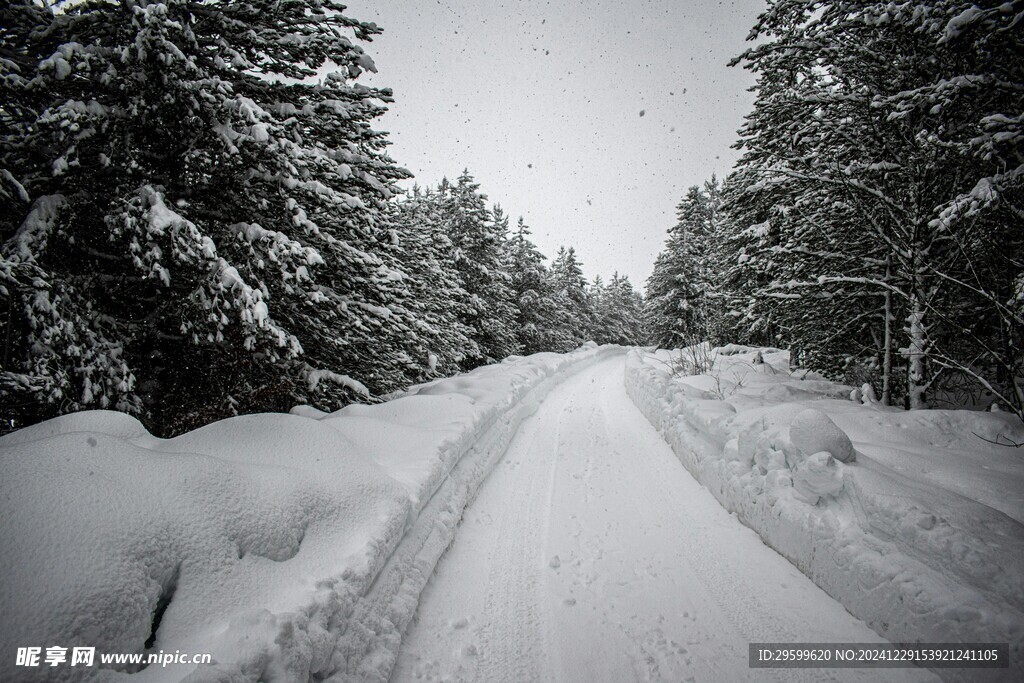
290	547
590	554
920	534
296	547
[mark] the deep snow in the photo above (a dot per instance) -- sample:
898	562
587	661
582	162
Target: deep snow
920	535
296	547
289	546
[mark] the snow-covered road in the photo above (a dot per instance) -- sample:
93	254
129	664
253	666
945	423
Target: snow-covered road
590	554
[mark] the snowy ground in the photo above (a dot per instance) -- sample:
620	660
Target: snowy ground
288	546
920	534
298	547
592	555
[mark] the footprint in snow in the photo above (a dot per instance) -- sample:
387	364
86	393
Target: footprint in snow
461	622
569	602
555	563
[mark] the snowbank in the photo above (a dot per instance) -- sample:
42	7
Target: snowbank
289	547
910	519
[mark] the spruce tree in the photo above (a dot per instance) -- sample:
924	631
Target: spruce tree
618	312
679	302
570	287
478	249
741	262
538	324
880	156
199	229
422	245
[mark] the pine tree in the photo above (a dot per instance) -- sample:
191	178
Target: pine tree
740	260
202	217
864	155
679	302
478	241
570	287
618	312
975	111
538	324
426	252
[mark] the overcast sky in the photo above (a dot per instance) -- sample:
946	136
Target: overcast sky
589	118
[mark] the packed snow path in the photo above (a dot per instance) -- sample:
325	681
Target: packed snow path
590	554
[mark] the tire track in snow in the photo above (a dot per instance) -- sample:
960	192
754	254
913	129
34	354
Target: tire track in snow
590	554
510	585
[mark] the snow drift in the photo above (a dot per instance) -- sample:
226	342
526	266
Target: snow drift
290	547
912	520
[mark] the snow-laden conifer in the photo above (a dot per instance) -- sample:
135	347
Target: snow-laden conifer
198	212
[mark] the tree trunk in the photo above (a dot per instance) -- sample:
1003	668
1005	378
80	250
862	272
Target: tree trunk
915	353
887	342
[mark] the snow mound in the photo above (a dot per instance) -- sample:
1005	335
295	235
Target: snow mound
817	476
812	431
921	534
288	546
